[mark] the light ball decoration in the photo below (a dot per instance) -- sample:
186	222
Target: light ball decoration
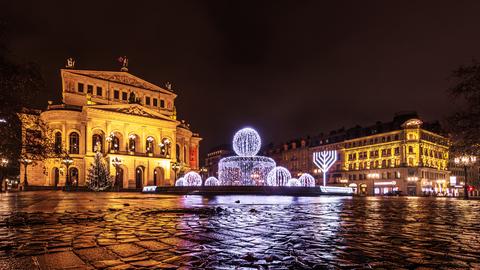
246	142
180	182
306	180
212	181
278	177
293	183
193	179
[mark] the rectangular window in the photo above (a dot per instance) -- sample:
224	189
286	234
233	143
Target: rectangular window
99	91
89	89
124	95
116	94
147	101
162	103
80	87
155	102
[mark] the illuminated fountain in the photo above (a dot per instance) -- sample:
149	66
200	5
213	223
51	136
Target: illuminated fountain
245	169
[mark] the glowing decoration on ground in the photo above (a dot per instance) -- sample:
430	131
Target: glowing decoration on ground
278	177
324	160
246	169
149	189
306	180
246	142
293	183
180	182
212	181
193	179
337	190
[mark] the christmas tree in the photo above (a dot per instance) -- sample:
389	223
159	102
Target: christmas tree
99	178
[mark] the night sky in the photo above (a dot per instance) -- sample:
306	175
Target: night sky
286	68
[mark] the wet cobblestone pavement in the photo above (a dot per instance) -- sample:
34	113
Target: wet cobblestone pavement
57	230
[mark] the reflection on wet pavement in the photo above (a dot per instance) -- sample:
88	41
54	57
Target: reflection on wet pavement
58	230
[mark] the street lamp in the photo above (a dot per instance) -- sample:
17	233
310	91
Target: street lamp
465	161
116	163
175	166
25	162
67	162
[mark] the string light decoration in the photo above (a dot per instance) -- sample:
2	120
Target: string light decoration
245	169
306	180
246	142
180	182
293	182
324	160
212	181
278	177
192	179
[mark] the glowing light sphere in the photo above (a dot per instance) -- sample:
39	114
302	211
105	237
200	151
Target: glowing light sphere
193	179
212	181
293	183
306	180
279	177
246	142
180	182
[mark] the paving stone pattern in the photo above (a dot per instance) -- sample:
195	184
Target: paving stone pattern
57	230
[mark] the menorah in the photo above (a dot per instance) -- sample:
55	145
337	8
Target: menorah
324	160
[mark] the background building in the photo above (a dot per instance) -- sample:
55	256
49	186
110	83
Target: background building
214	156
126	118
404	155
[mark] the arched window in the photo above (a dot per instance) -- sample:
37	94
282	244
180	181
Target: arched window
165	147
177	152
97	143
150	145
131	143
58	142
73	176
74	143
115	143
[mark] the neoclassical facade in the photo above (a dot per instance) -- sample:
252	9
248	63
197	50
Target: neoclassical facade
131	121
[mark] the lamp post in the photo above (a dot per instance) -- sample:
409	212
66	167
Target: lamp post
3	164
25	161
175	167
116	163
67	161
465	161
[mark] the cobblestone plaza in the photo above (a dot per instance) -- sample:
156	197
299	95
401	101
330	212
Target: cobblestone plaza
59	230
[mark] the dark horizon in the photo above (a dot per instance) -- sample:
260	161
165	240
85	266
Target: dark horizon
287	69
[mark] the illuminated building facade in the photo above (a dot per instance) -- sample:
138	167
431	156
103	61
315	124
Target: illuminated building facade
404	155
214	156
125	117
